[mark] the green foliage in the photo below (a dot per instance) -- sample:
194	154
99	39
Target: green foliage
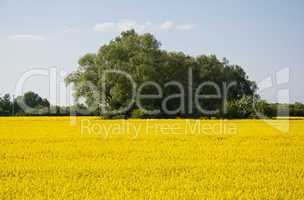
32	104
5	105
141	57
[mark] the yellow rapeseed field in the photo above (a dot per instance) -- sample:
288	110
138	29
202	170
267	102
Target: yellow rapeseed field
89	158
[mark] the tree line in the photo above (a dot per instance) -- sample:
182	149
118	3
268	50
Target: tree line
134	75
242	108
41	107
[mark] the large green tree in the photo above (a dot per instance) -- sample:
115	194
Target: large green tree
140	57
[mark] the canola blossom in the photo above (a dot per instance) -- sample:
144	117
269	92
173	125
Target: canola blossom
91	158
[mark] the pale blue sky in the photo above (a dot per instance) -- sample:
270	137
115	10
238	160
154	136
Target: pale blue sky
262	36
